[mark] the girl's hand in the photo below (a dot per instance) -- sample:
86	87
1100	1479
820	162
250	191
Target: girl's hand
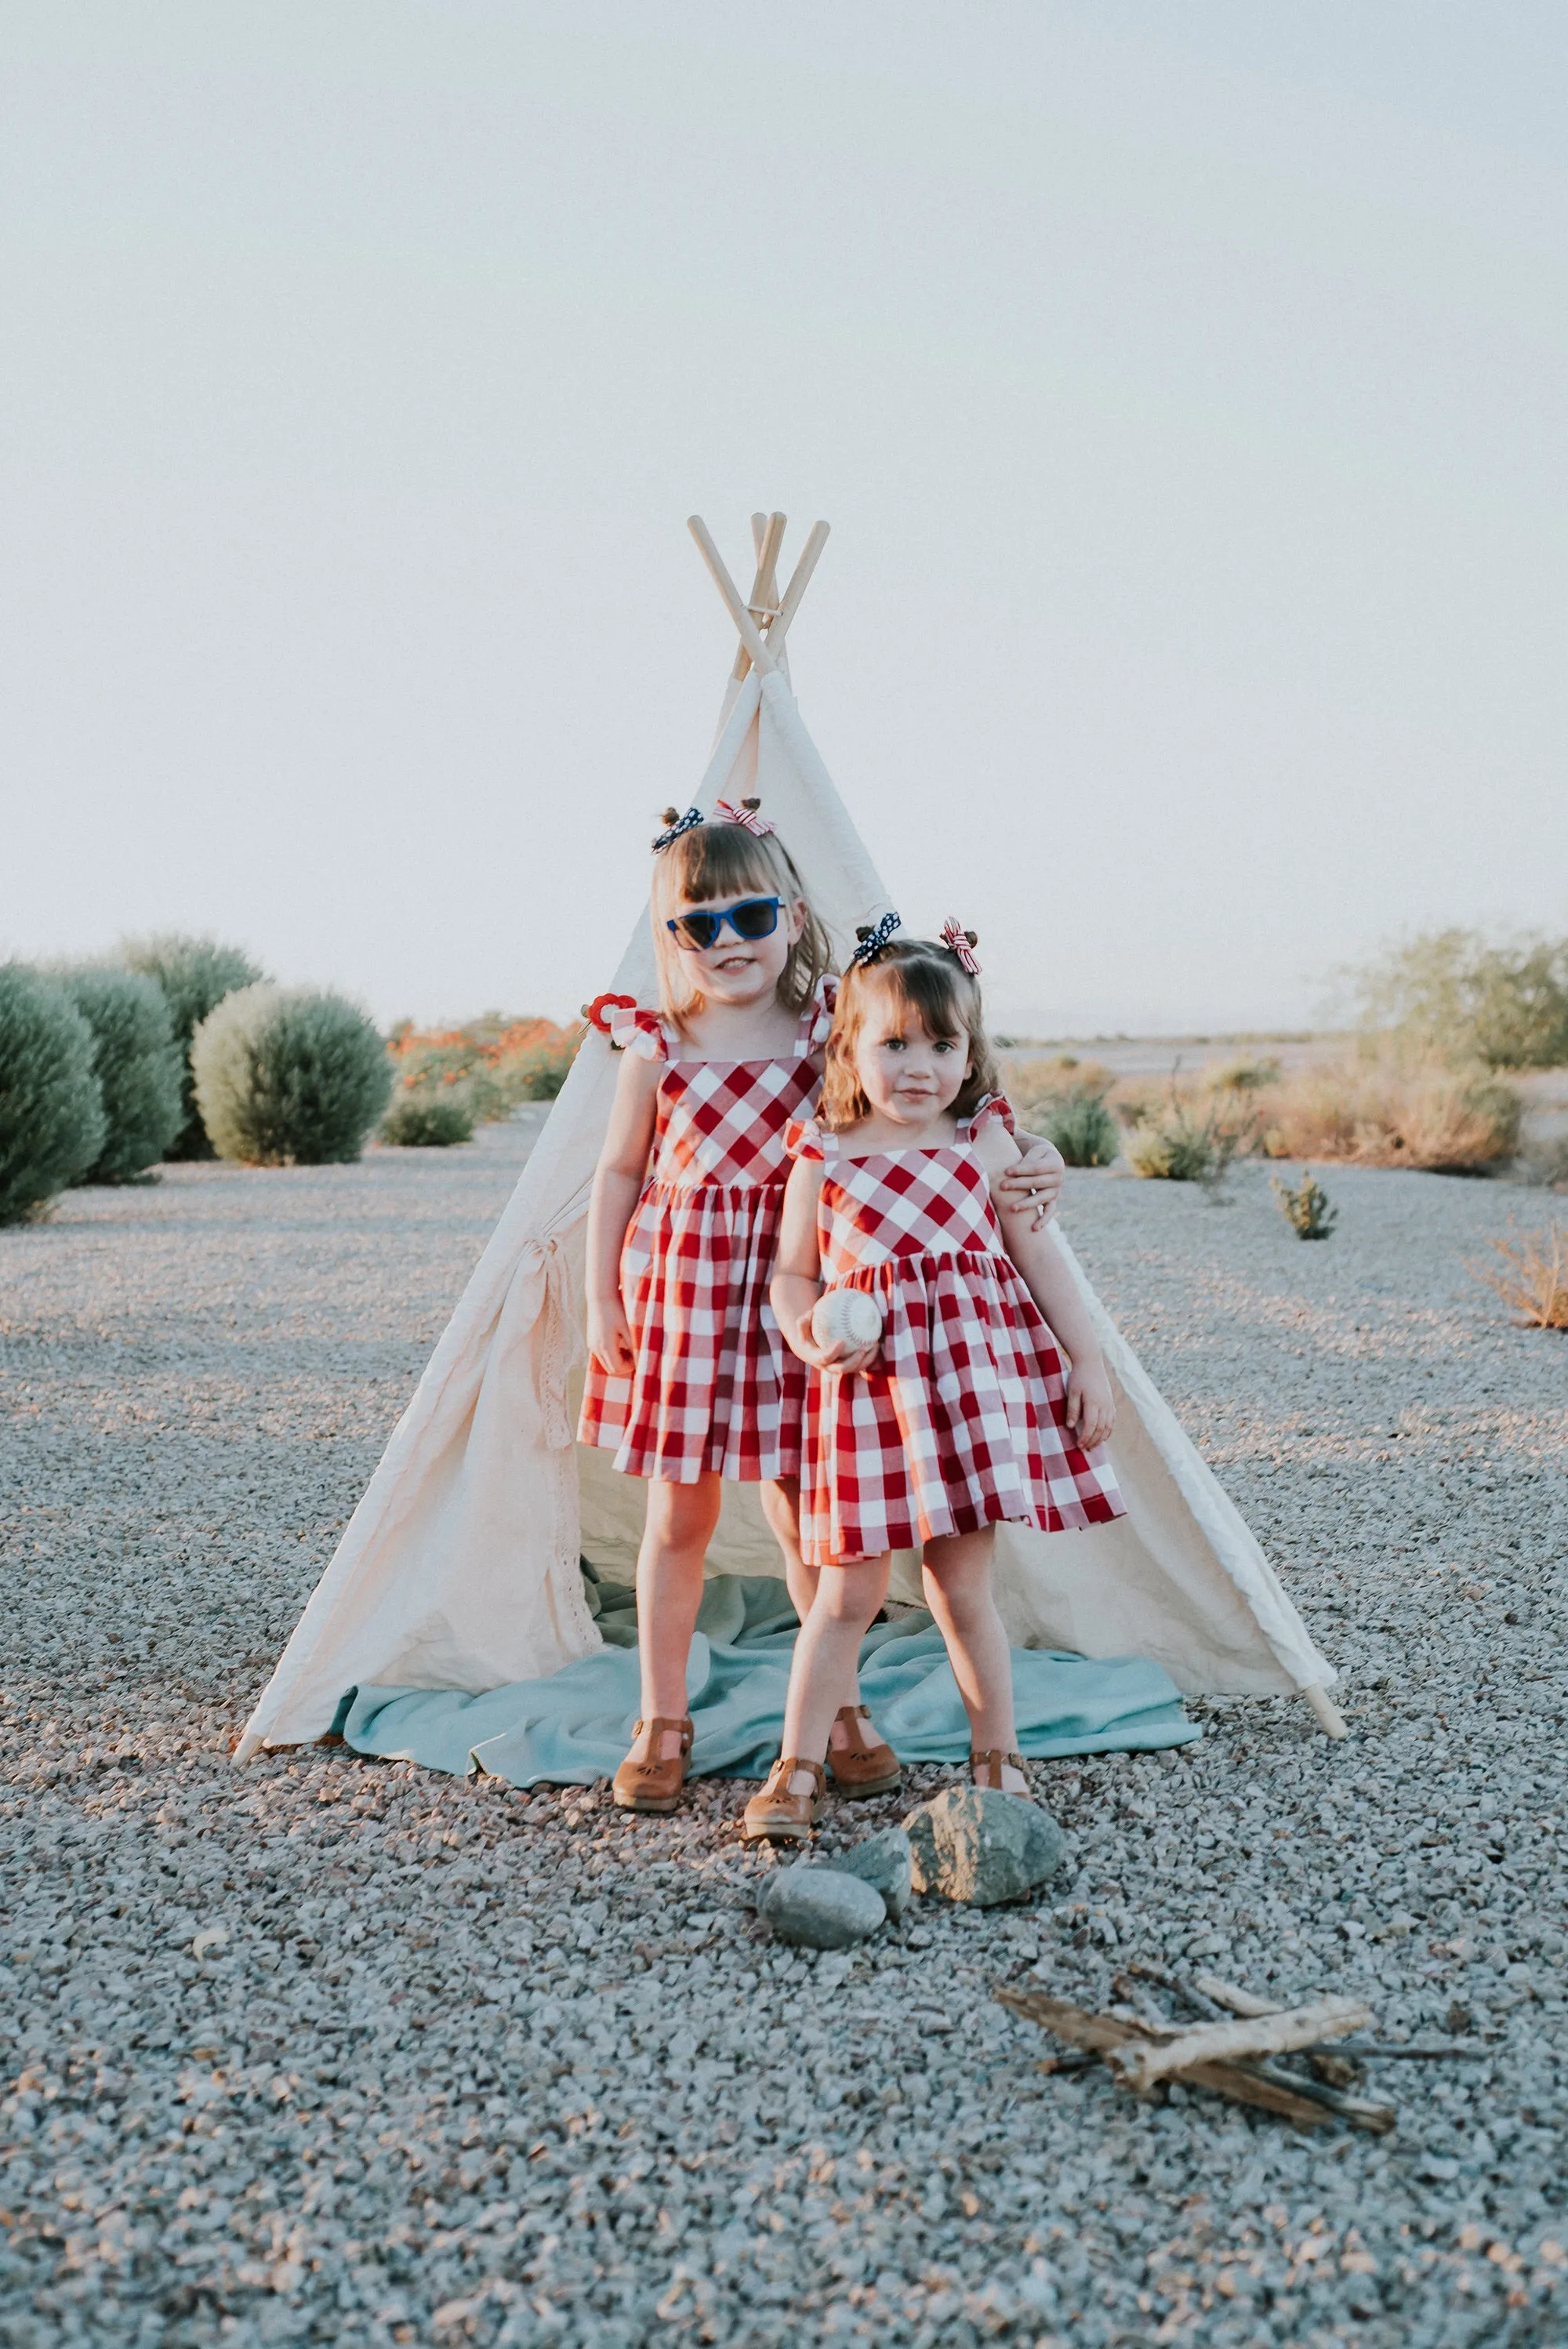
1033	1185
848	1360
610	1336
1091	1407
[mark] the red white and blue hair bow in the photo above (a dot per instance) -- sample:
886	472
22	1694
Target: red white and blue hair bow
962	943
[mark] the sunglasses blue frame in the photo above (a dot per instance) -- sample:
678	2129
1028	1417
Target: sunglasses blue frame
749	918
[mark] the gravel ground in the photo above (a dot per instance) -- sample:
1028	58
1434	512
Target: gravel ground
472	2066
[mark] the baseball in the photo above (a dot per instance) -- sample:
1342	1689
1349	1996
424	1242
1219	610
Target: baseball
846	1316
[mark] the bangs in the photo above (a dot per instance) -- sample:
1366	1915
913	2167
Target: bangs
923	986
715	860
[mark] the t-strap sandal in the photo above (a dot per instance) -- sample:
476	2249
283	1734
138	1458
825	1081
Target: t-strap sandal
655	1785
859	1768
776	1816
991	1761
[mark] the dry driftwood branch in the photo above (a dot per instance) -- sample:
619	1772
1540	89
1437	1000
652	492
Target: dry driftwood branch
1306	2106
1330	2093
1228	2043
1242	2002
1236	2002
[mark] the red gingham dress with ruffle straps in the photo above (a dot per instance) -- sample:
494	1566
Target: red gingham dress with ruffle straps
715	1387
961	1420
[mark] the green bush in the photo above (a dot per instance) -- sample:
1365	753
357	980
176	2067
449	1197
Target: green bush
1448	991
287	1076
1084	1130
195	975
138	1064
52	1124
422	1120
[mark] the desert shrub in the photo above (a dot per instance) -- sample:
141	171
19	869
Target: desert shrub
1065	1099
1245	1076
285	1076
1452	994
421	1121
1191	1138
497	1060
1305	1207
1375	1111
195	975
1084	1132
1531	1275
138	1064
52	1124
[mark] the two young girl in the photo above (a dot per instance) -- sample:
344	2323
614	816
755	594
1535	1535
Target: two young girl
690	1379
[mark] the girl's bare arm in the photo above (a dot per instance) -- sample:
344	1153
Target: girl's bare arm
797	1274
1091	1407
617	1185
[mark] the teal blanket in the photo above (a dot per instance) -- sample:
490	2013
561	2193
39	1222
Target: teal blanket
574	1727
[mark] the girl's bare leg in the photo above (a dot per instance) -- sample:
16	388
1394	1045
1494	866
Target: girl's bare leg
676	1534
958	1580
828	1641
782	1508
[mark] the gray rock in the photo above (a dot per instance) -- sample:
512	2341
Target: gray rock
821	1908
979	1846
884	1860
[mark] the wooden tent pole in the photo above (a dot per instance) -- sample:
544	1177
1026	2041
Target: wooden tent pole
749	636
799	583
1329	1718
767	530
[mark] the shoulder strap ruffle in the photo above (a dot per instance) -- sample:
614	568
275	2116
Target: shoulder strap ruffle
818	1017
804	1137
634	1030
994	1106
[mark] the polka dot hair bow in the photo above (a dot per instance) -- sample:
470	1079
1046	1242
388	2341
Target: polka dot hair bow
873	940
675	824
962	943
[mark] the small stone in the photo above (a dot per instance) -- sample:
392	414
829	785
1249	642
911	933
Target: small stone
978	1846
884	1860
821	1908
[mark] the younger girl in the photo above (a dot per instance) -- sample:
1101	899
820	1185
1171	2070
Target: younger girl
689	1381
959	1416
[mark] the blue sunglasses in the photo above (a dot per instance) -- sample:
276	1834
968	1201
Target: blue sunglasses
754	917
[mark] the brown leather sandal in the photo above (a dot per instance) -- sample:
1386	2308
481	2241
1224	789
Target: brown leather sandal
776	1816
991	1761
655	1785
859	1769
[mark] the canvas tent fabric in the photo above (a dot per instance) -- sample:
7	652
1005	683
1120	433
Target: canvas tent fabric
460	1568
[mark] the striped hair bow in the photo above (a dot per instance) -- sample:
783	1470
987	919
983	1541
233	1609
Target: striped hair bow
962	943
746	815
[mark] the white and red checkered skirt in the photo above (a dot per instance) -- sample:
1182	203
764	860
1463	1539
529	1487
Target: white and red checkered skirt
715	1386
961	1424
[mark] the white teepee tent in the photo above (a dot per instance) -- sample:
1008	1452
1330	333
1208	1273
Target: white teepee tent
460	1568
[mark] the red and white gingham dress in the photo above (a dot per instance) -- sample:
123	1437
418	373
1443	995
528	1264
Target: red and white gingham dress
715	1385
960	1422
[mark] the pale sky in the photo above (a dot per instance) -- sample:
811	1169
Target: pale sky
1185	388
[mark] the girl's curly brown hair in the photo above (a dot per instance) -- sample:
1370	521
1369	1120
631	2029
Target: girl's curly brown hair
927	979
725	860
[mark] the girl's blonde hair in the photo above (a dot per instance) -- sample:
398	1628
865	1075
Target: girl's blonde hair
725	860
927	979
